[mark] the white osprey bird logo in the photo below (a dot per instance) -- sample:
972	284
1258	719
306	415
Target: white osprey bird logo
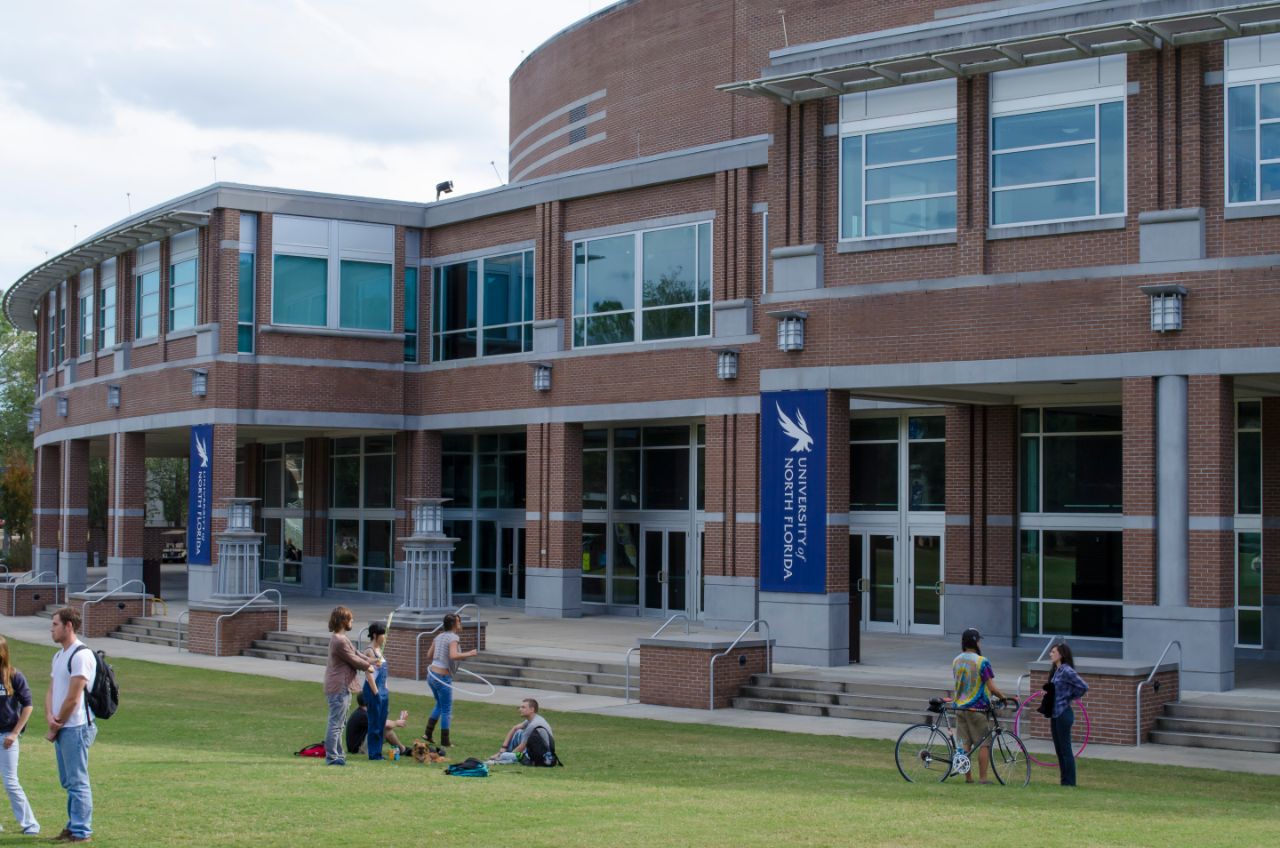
799	432
204	453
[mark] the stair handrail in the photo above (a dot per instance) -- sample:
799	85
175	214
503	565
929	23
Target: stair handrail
95	583
156	599
29	577
217	623
417	643
1017	686
768	653
1137	718
84	610
626	660
186	613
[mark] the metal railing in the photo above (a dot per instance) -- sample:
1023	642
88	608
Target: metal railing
417	643
33	577
97	583
84	611
187	615
768	653
626	661
1137	719
217	624
1017	686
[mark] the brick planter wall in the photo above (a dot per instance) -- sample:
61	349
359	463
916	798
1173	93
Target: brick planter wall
32	597
237	633
400	650
1111	702
676	672
106	616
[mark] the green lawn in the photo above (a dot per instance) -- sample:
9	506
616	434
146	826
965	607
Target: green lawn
205	758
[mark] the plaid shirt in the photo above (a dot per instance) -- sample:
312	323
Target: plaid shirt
1067	687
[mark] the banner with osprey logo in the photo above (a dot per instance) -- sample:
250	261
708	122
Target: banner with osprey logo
793	492
200	496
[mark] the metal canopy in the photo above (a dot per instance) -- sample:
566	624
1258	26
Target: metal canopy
1177	30
21	299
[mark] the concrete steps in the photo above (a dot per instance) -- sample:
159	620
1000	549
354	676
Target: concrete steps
151	631
808	696
291	647
1226	728
552	674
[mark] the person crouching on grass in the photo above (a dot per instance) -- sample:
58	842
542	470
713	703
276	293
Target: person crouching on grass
339	673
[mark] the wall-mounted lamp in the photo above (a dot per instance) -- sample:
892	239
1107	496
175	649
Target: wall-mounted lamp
199	382
541	376
445	187
63	406
727	363
1166	306
113	397
790	329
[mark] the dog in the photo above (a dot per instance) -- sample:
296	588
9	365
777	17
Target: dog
424	753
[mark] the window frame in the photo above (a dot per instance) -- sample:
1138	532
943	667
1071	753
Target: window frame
362	515
879	126
439	302
103	309
342	241
638	310
86	315
1252	74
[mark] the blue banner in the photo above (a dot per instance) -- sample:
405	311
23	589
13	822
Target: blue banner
793	492
200	496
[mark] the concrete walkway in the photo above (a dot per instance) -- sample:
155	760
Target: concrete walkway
607	638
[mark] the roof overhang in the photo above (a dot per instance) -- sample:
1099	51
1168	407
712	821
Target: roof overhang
997	41
22	297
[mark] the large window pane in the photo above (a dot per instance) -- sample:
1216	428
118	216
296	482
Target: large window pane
610	274
1082	474
411	314
679	322
346	482
1083	566
593	563
1048	203
378	481
300	291
460	530
1249	569
1044	165
1084	419
669	267
1249	473
914	143
503	290
1241	144
147	305
345	542
851	187
1104	621
1029	475
456	307
1054	126
107	318
595	474
912	216
365	296
927	476
626	479
873	476
456	482
182	295
666	479
1029	564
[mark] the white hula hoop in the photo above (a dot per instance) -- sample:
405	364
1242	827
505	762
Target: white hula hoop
492	689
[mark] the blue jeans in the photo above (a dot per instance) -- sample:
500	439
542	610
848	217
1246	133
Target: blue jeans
17	798
378	706
338	704
72	750
442	688
1060	727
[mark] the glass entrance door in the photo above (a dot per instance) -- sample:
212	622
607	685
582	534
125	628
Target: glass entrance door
925	613
665	554
877	555
511	562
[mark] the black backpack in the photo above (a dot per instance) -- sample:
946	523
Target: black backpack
540	750
103	697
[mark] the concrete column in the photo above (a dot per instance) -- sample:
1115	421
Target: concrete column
73	550
126	506
1171	504
731	561
48	506
553	521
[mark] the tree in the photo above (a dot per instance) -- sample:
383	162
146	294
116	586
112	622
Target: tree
17	388
167	485
97	493
17	498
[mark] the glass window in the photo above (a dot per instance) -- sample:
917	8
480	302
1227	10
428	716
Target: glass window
182	295
87	316
873	464
147	305
673	267
462	556
1253	142
362	526
410	314
593	562
927	463
245	305
364	300
483	307
457	463
300	291
1249	590
1249	458
898	182
1075	464
1071	583
107	316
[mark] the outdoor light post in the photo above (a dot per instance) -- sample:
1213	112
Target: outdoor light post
428	559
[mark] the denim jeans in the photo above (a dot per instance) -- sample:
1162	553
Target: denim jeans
442	688
1060	727
17	798
338	704
377	702
72	750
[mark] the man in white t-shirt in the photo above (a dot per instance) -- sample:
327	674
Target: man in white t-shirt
71	727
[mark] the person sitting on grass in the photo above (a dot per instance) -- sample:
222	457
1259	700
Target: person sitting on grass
518	737
358	729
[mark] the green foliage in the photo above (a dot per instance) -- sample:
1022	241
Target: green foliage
167	483
17	493
17	387
98	482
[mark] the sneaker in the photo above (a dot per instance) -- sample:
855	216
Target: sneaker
336	763
63	836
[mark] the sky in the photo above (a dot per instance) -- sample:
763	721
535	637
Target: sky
113	107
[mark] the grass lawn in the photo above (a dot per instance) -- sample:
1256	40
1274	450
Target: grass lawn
205	758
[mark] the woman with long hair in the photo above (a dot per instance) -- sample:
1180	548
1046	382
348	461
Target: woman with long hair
15	709
1063	687
375	693
445	656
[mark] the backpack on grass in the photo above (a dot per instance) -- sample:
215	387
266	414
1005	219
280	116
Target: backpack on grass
470	767
103	697
540	750
313	750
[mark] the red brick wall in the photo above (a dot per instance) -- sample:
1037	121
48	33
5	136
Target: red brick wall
1111	704
236	633
838	577
1139	457
31	598
1211	488
680	677
553	461
732	549
982	482
127	479
106	616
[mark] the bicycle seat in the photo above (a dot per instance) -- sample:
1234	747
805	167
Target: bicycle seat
936	704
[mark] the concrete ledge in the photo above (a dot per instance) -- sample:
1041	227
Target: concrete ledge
101	617
707	640
895	243
1055	229
676	671
237	632
29	598
553	592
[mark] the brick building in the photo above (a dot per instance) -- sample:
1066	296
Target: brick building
1018	250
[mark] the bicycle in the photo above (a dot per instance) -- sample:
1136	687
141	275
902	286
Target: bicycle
926	752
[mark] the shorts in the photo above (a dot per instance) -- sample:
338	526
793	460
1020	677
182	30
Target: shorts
972	725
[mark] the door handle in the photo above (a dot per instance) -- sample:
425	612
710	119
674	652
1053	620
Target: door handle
939	587
662	576
861	585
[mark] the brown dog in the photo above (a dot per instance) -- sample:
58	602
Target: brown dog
424	753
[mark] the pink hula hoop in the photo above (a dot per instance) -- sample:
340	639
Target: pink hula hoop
1017	719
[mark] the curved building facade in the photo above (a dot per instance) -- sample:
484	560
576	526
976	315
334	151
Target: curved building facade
933	315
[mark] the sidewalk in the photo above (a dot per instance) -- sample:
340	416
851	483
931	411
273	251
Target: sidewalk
607	639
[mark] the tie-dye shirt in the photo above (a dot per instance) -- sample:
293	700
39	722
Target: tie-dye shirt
971	672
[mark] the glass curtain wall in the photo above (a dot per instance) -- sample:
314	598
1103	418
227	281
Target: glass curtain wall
484	478
282	512
362	514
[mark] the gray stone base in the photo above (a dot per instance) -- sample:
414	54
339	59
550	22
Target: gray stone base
73	569
121	570
202	581
1270	631
728	603
988	608
44	560
807	629
553	592
313	576
1207	637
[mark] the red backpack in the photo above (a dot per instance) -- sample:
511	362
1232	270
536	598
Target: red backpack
315	750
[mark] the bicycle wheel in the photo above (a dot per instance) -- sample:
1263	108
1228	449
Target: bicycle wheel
923	754
1009	759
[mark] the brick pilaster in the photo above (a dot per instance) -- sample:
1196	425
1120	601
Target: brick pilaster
48	497
75	496
1139	482
554	491
732	546
838	577
126	494
1211	489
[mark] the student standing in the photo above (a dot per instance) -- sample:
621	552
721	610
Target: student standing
445	657
974	682
15	711
1063	687
339	674
376	694
71	728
